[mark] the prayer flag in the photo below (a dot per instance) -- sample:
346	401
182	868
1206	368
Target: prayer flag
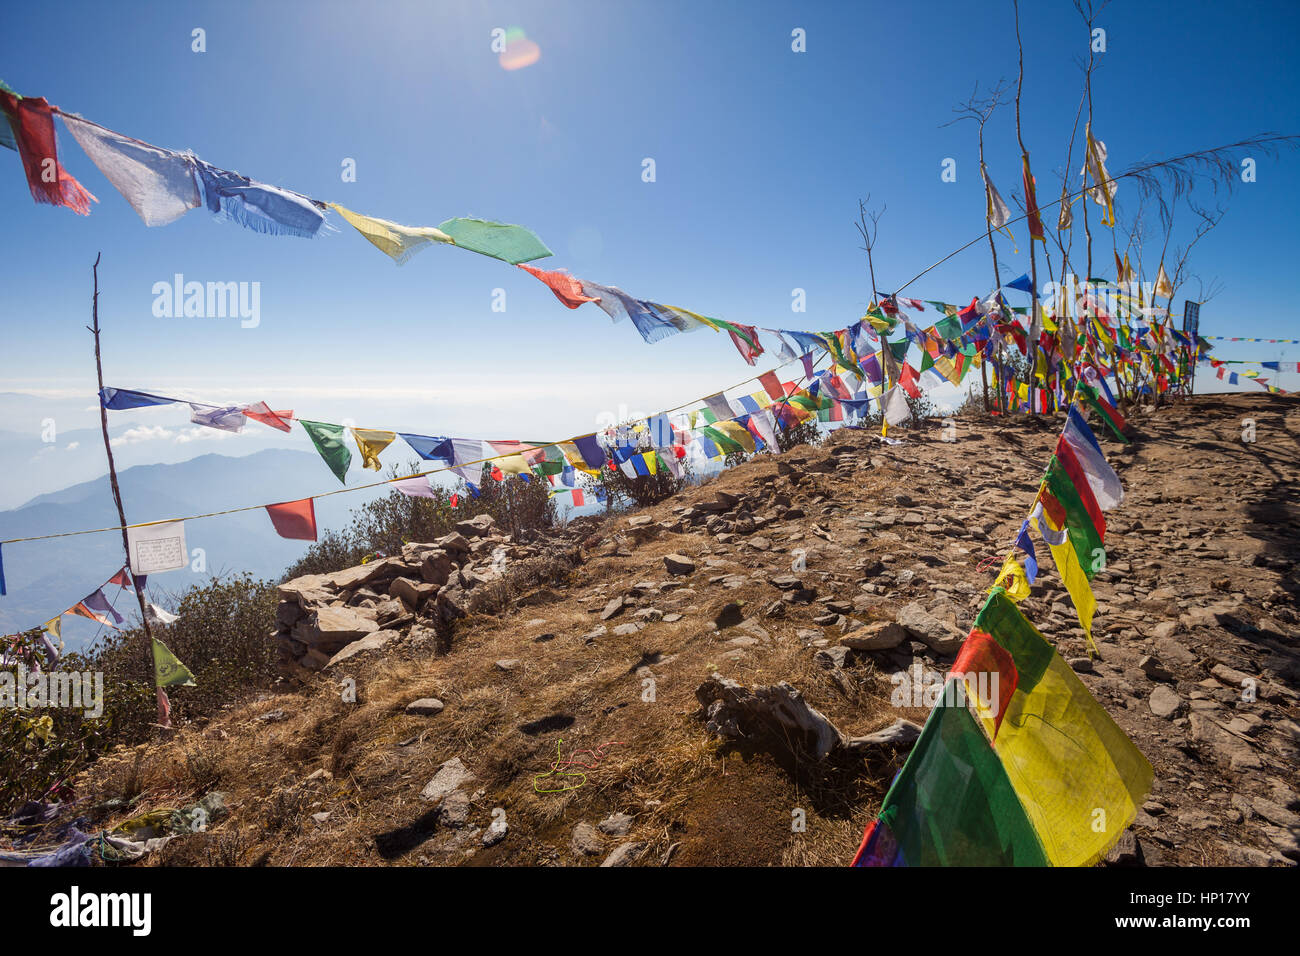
294	519
328	440
567	288
370	442
394	240
509	243
167	670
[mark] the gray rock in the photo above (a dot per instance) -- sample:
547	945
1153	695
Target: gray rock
586	840
1164	702
940	636
616	824
613	609
454	811
477	526
507	664
679	564
878	636
451	774
371	642
624	855
412	593
424	707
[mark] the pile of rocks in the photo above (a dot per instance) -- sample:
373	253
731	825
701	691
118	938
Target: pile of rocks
325	618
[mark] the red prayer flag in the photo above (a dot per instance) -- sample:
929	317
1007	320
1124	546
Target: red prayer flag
908	380
120	579
981	654
579	499
261	412
33	126
1031	202
772	385
567	288
294	519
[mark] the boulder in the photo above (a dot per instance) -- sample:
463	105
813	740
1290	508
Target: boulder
450	776
424	707
879	636
412	593
436	567
777	717
679	564
477	526
371	642
940	636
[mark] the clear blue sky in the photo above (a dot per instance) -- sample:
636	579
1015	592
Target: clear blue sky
761	156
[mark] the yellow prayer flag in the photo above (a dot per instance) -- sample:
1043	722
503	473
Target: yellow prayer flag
370	442
1012	578
1076	582
393	239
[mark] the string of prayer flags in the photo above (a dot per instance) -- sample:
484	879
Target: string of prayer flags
257	206
294	519
32	122
509	243
394	240
167	670
328	440
97	607
158	183
567	288
370	442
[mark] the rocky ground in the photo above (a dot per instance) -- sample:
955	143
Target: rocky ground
707	681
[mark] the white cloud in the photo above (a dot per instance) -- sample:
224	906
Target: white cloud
72	446
142	433
202	433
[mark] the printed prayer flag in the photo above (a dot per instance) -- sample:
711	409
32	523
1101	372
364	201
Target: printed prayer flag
952	804
154	548
328	440
1079	778
1031	201
1062	504
294	519
167	670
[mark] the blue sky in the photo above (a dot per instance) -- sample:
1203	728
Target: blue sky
761	154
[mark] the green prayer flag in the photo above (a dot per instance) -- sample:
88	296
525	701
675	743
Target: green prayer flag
167	670
949	328
952	804
328	440
500	240
899	348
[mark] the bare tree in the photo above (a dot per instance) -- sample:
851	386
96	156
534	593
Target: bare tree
980	109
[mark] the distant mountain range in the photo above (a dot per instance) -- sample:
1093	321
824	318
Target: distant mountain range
46	577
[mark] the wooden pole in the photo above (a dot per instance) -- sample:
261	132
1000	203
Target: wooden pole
112	479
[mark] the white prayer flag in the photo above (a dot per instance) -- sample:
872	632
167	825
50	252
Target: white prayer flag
157	547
